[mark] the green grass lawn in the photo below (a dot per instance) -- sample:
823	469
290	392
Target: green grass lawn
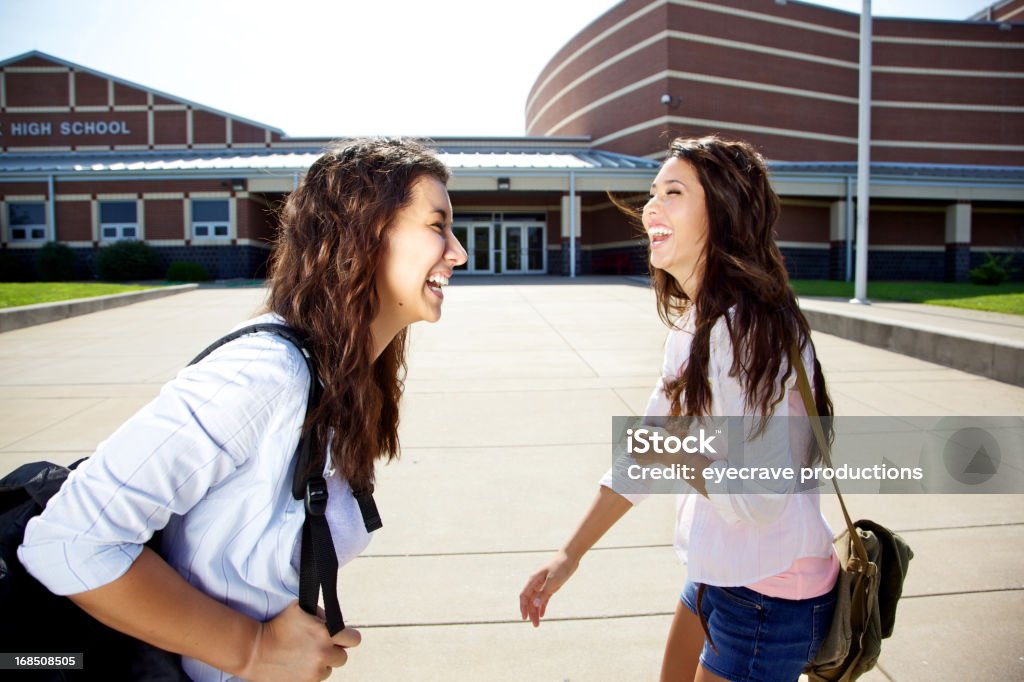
28	293
1007	297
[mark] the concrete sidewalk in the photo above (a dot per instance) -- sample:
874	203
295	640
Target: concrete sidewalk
983	343
505	428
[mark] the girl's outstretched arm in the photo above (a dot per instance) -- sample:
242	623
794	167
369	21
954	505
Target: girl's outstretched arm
607	509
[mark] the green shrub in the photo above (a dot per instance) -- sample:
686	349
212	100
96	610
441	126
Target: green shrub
14	269
993	271
57	263
127	260
186	271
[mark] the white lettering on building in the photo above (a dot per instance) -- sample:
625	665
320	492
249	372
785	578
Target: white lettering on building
33	128
66	128
94	128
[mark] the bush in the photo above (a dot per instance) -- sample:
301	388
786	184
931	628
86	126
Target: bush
186	271
993	271
127	260
57	263
14	269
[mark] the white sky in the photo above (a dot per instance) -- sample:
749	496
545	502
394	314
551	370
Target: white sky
341	67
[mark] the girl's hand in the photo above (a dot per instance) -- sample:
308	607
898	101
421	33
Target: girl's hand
295	647
533	600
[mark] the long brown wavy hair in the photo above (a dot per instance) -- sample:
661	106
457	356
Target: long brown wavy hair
742	268
330	246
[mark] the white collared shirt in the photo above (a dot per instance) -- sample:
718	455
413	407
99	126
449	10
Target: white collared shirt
732	539
211	459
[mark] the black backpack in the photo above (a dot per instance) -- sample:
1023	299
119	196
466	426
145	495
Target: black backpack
34	621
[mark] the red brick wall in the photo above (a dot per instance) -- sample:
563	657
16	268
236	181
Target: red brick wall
904	227
608	224
91	90
243	218
36	89
998	229
208	128
8	189
124	95
141	186
243	132
255	221
74	221
800	223
171	127
164	219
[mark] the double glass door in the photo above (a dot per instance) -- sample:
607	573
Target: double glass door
496	248
524	248
478	241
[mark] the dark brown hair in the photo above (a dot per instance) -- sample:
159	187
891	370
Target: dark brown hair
742	267
331	244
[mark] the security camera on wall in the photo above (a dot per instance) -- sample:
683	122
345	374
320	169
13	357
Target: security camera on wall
666	98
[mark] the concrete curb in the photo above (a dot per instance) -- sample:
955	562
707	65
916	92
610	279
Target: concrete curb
41	313
999	359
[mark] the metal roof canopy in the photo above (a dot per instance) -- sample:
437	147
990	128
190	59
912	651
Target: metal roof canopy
483	157
259	161
475	161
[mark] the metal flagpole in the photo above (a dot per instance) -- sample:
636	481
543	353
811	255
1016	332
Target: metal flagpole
572	224
863	157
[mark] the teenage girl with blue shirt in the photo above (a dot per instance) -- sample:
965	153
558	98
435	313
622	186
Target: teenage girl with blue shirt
763	562
364	248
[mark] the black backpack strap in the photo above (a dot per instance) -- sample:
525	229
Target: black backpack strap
285	332
368	509
318	562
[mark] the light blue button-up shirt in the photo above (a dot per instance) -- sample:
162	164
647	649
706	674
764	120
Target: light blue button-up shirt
211	460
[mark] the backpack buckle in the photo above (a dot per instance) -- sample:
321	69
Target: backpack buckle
316	496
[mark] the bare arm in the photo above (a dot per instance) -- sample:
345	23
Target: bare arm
607	509
153	603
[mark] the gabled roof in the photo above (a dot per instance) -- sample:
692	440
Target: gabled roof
11	61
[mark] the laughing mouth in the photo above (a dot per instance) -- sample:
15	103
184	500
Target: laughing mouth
436	281
658	235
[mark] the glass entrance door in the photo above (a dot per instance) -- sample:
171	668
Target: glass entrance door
525	249
483	255
477	239
513	248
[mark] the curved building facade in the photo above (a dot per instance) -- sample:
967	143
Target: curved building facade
947	121
784	75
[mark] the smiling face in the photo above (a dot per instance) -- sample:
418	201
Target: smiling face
676	220
421	252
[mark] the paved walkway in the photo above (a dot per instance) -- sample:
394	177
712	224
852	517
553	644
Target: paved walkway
505	429
957	321
987	344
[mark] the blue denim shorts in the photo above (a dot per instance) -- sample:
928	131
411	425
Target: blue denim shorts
760	637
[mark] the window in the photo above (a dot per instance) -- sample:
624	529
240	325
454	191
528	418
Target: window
210	219
27	221
118	220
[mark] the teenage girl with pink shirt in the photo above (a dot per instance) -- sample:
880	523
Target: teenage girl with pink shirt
761	568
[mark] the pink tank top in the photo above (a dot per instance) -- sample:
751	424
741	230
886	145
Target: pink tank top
805	578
